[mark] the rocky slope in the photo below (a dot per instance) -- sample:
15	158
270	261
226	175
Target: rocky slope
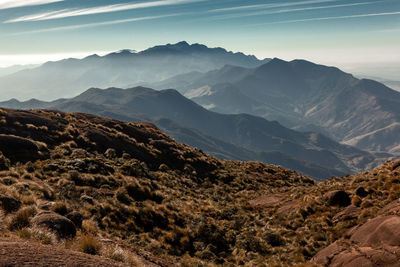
129	193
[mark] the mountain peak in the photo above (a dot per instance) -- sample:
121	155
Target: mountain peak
182	44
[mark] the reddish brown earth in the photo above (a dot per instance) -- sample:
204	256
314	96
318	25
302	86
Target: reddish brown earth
18	253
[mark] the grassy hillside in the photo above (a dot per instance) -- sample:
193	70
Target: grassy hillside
145	198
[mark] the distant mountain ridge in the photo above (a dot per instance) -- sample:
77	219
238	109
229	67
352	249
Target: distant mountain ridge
241	136
304	96
69	77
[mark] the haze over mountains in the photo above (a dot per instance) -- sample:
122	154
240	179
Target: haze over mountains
299	112
304	96
69	77
241	136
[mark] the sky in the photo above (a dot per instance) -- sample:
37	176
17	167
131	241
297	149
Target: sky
361	36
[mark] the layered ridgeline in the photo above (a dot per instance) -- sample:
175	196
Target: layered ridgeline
128	193
238	137
69	77
302	95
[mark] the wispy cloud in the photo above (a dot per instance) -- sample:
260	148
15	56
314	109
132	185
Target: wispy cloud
330	18
5	4
98	10
89	25
258	13
264	6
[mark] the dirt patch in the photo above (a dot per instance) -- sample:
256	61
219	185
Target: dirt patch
16	253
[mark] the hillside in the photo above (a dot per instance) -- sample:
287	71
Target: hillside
238	137
304	96
69	77
136	197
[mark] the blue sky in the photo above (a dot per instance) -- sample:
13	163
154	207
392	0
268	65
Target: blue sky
337	32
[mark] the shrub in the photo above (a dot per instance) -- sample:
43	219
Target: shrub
4	162
21	219
60	208
89	244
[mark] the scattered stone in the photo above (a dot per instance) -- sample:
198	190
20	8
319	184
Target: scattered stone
361	192
9	204
338	198
62	226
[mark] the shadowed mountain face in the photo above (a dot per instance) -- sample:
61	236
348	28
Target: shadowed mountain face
53	80
241	136
303	96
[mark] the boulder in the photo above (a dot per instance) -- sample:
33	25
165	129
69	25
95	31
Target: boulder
382	230
62	226
365	257
393	208
349	213
361	192
338	198
9	204
76	218
18	149
324	256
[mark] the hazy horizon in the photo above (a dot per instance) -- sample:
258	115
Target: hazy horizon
358	36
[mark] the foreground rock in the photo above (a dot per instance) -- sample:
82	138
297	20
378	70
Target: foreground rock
61	225
375	243
338	197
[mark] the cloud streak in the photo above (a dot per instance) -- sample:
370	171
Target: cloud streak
259	13
96	24
5	4
65	13
267	6
330	18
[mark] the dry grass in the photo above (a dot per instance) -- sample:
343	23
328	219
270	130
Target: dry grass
172	200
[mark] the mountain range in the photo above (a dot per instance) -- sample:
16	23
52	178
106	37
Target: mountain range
312	118
303	96
69	77
240	136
